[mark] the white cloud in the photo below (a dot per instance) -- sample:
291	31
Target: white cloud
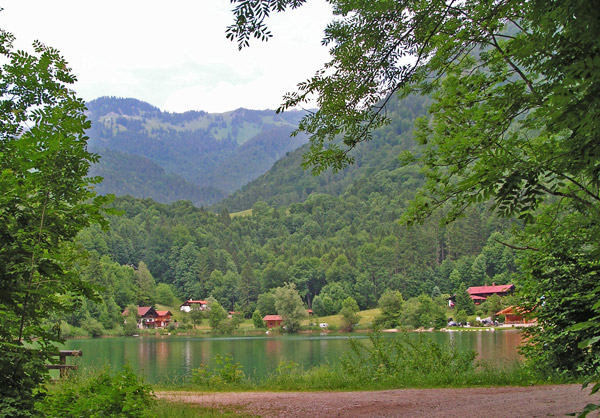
173	54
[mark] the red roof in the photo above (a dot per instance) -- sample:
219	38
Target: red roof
272	318
190	301
164	313
502	288
143	310
512	310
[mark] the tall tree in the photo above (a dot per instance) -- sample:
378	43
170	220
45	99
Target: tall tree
146	285
515	118
248	289
44	202
390	304
289	306
463	300
349	313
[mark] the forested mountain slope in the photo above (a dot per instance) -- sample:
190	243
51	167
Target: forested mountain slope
203	156
128	174
347	243
287	182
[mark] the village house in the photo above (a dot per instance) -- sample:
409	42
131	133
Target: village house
190	304
273	321
514	316
480	293
163	319
148	317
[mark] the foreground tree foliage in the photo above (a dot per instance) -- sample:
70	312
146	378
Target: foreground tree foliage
44	202
515	121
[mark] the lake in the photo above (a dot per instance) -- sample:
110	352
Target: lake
171	358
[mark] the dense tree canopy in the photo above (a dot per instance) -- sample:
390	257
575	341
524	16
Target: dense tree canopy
515	121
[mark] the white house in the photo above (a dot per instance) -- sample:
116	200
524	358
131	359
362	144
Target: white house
190	304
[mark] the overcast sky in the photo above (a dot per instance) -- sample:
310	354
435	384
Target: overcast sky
173	54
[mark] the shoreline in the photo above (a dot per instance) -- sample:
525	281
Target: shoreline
208	333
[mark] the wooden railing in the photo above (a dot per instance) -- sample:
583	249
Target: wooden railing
62	365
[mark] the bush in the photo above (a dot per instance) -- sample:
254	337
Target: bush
71	331
257	319
102	394
225	372
93	327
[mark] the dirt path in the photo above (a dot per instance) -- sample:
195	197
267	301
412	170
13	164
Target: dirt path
500	402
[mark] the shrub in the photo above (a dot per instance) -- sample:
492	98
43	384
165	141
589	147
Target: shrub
225	372
257	319
93	327
102	394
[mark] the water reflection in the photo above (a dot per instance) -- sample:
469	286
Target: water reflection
172	359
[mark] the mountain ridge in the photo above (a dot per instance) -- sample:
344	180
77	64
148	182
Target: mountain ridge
207	155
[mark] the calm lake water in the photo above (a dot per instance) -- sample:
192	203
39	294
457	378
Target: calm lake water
171	359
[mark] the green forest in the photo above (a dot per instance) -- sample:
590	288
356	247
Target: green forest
331	246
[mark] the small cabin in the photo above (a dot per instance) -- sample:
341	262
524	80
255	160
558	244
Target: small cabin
515	316
273	321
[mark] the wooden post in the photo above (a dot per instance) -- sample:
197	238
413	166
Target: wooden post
62	366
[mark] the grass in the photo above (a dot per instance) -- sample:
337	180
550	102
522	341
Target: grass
247	212
366	318
172	409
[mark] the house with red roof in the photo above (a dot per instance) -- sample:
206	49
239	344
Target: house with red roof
163	319
273	321
515	315
145	316
148	317
480	293
191	304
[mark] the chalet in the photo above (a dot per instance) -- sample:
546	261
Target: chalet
480	293
273	321
515	316
190	304
163	319
146	316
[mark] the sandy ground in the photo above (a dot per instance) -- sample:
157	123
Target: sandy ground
501	402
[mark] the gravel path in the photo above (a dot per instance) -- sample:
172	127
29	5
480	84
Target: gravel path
501	402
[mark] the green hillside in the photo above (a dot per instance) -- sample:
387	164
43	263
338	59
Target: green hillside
136	175
287	182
